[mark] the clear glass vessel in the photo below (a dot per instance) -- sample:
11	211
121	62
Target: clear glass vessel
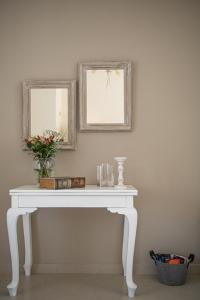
44	168
105	176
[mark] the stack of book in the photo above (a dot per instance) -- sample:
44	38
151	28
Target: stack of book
59	183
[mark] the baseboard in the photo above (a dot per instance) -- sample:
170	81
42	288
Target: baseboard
68	268
78	268
140	269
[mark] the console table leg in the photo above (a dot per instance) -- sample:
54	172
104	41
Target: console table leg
132	226
27	243
128	245
12	217
124	248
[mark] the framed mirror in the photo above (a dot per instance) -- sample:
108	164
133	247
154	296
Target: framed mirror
50	105
105	96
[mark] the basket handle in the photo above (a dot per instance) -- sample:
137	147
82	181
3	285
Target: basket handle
152	255
190	259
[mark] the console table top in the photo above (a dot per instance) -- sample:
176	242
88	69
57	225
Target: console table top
88	190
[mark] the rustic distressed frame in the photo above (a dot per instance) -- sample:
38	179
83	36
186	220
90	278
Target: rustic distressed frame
71	85
127	67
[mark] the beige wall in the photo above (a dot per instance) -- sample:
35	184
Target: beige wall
46	40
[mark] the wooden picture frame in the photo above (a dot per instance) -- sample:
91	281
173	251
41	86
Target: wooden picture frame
42	84
108	66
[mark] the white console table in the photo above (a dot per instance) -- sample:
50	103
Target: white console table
27	199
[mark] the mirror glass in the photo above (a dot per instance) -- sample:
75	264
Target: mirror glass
105	96
49	110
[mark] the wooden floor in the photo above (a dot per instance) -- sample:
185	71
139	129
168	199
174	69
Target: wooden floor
97	287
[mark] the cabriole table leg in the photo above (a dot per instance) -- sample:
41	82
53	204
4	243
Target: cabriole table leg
124	247
12	217
27	243
128	245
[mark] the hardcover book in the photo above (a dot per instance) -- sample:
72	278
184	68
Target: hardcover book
59	183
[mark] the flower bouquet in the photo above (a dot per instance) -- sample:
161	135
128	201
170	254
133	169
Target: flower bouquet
44	148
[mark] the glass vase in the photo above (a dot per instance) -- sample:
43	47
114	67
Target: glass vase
44	168
105	176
